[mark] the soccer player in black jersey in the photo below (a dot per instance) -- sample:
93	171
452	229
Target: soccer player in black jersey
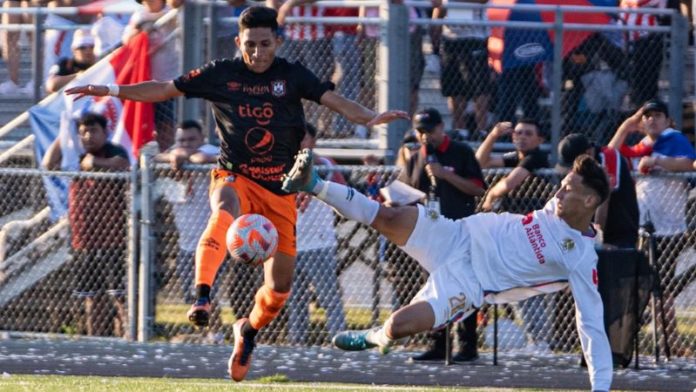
258	111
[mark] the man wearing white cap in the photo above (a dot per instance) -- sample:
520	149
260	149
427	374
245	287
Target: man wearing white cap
67	69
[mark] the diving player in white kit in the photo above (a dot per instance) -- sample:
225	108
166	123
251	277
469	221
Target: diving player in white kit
492	258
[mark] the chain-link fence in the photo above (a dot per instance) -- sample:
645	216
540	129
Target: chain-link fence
65	274
354	278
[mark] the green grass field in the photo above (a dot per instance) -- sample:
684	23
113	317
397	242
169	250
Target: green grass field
22	383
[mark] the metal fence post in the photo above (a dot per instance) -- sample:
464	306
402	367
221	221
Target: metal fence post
677	52
392	76
192	39
133	259
557	80
37	54
145	310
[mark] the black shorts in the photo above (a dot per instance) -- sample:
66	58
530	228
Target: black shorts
465	70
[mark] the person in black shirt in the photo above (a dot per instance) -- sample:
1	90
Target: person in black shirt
617	218
67	69
257	105
457	178
527	157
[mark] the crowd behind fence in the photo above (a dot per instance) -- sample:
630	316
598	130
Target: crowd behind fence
139	277
587	80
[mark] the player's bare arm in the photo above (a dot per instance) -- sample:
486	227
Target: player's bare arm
357	113
151	91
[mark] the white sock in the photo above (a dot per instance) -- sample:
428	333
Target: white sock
347	201
379	337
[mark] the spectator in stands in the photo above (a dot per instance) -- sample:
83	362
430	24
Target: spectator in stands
465	72
67	69
527	157
165	60
317	260
450	170
369	42
10	52
616	220
525	160
57	42
597	71
662	200
645	49
107	32
189	198
224	42
98	250
310	44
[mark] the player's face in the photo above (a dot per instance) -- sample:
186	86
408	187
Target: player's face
258	46
526	137
574	198
93	137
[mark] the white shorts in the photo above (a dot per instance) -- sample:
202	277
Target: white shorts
442	247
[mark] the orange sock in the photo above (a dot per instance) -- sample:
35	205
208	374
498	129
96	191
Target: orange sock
212	247
267	306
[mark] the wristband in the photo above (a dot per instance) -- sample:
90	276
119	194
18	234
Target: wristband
113	89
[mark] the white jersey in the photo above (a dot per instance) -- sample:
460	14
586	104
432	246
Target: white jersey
501	258
515	257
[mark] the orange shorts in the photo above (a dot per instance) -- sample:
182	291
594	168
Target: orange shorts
254	199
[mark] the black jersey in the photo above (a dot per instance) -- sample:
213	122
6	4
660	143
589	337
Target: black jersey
453	156
259	117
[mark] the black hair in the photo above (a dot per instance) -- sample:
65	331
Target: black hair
91	118
191	124
311	130
532	121
259	16
593	175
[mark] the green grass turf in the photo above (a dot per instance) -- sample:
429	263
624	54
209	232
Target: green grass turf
277	383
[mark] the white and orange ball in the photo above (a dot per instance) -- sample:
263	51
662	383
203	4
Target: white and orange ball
252	239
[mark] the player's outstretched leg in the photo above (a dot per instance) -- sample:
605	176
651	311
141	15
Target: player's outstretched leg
240	360
302	177
363	340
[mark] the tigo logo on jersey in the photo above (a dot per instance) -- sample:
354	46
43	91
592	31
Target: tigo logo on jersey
278	88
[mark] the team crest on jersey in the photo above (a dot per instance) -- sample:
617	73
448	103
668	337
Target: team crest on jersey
432	214
567	245
278	88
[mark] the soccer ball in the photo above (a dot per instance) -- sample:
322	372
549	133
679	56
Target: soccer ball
252	239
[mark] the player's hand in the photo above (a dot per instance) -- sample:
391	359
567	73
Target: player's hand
90	89
302	201
388	117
